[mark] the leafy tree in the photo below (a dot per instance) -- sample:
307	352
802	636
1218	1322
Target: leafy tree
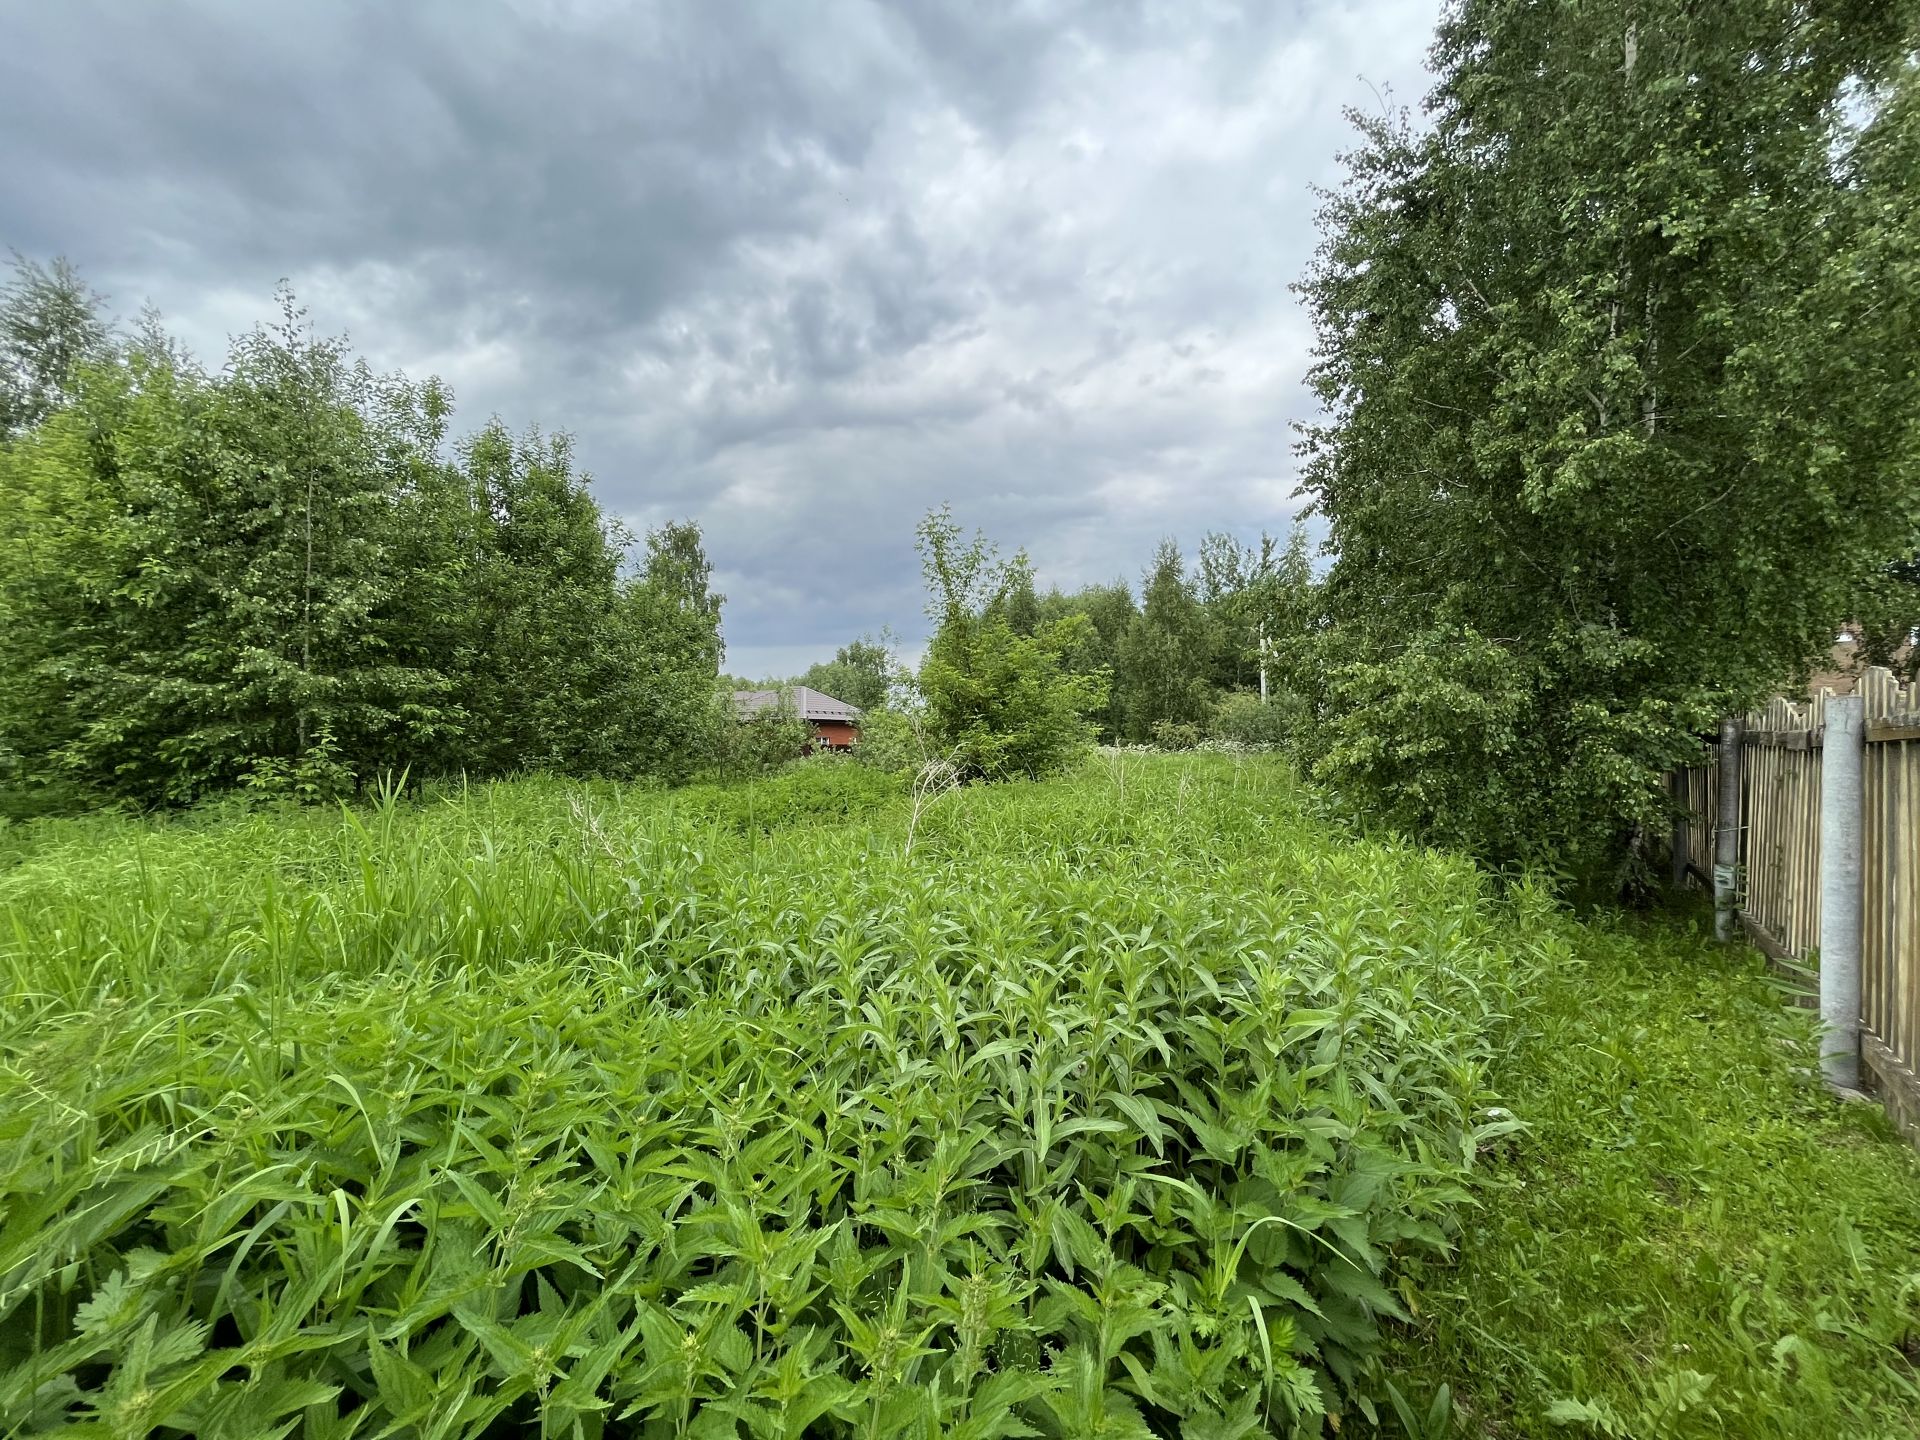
1109	610
51	323
539	677
1000	703
675	715
1164	657
1018	602
862	672
1228	580
762	741
274	577
203	580
296	551
1886	619
1615	354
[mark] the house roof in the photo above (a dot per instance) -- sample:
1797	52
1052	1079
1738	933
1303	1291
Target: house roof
811	704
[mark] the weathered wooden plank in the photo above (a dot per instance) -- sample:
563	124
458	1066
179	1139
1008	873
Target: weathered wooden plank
1895	1082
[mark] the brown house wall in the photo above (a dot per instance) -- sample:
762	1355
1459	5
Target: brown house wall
836	734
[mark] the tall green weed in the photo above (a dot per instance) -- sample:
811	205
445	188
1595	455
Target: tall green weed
1116	1106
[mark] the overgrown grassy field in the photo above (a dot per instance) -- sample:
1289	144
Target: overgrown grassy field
1691	1238
1135	1102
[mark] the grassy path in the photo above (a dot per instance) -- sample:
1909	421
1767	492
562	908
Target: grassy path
1693	1240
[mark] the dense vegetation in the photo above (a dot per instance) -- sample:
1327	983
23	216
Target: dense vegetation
861	1099
1618	354
285	576
1133	1098
1120	1098
1183	663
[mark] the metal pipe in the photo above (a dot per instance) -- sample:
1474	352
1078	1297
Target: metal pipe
1677	844
1841	759
1726	835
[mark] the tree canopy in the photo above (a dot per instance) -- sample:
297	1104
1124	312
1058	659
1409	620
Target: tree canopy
282	576
1617	356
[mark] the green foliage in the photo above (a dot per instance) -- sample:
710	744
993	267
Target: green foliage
1164	656
1121	1103
764	740
999	702
1243	719
862	673
1886	619
1618	355
894	739
50	325
1689	1238
1175	735
1095	650
274	578
823	789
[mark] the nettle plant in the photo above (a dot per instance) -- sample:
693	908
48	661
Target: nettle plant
1107	1111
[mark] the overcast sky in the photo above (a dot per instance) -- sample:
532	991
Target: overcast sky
797	270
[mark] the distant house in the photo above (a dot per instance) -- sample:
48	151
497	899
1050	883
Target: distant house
835	724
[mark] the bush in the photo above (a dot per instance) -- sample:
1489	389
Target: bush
1175	735
1244	719
749	745
1000	699
892	740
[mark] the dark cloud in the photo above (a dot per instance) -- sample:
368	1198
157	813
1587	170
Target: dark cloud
798	270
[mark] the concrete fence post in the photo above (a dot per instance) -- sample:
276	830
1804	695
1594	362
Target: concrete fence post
1842	750
1726	834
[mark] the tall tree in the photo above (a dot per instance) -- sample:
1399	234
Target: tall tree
1002	703
1109	610
299	556
862	672
51	323
1613	355
673	711
1167	652
539	678
273	576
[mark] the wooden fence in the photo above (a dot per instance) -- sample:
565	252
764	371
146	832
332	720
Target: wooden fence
1780	861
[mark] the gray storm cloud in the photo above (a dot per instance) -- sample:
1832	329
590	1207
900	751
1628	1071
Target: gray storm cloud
797	271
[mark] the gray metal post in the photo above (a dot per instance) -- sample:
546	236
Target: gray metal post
1842	751
1677	845
1726	835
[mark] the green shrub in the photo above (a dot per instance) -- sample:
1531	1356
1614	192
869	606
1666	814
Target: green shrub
1118	1102
892	740
1175	735
749	745
1243	718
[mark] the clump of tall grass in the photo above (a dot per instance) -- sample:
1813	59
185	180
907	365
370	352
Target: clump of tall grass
1109	1107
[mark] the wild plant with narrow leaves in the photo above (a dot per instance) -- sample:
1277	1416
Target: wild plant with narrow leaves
1107	1112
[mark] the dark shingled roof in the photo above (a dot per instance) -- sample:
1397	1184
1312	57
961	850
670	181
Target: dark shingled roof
812	704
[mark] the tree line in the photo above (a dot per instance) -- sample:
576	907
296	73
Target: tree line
287	575
1193	655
